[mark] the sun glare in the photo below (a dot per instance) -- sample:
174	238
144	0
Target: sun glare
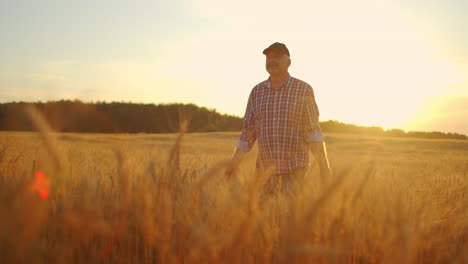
372	68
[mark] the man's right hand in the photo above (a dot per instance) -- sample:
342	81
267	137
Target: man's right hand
233	166
231	170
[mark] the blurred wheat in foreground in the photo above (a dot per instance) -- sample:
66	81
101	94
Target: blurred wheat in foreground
83	198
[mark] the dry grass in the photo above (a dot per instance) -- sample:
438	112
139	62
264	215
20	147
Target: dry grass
163	199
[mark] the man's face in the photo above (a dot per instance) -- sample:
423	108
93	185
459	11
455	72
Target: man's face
277	63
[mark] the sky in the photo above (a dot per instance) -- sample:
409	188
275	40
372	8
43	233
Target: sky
394	64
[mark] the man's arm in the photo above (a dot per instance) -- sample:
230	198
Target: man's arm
313	132
319	151
236	159
246	140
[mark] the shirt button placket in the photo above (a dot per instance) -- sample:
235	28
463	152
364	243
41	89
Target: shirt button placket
276	124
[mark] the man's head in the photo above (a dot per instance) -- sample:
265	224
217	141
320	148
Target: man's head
277	59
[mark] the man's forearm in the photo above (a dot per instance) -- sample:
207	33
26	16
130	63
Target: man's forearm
319	151
235	162
238	155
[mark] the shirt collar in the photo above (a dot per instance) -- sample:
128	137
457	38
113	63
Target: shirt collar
284	84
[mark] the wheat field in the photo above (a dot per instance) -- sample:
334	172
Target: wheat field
144	198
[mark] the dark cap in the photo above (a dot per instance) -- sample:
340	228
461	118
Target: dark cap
280	47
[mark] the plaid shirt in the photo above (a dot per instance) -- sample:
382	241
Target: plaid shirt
283	120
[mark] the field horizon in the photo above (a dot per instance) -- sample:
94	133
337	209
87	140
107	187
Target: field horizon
126	117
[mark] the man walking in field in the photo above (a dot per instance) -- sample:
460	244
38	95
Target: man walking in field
283	116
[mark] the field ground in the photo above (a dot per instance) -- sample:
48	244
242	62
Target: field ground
135	198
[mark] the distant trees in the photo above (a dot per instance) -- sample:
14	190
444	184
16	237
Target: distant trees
339	127
117	117
101	117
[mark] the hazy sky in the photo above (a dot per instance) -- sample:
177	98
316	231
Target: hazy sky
387	63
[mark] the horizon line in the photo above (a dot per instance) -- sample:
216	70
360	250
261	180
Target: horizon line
230	114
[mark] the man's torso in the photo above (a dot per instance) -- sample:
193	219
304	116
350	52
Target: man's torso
279	121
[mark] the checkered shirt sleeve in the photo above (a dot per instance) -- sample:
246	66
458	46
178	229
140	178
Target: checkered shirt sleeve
249	130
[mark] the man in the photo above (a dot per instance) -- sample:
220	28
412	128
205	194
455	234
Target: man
283	115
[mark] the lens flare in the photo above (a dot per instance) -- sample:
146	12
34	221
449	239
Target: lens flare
41	185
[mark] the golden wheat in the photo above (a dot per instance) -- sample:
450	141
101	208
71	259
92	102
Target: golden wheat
164	199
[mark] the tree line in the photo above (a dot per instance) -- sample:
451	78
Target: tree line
121	117
339	127
117	117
